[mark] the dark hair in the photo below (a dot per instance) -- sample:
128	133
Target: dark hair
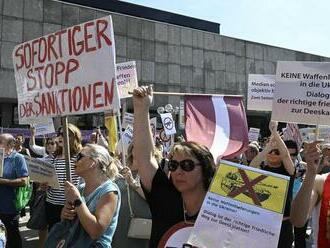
291	144
203	155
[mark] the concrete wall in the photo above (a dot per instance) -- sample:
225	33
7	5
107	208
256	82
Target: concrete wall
173	58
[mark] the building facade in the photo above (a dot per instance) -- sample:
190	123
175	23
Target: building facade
174	56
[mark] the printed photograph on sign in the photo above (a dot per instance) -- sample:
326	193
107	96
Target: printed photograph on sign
126	78
260	92
302	93
59	74
250	187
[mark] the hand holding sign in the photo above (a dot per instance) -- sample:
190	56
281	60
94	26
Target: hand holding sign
273	126
142	97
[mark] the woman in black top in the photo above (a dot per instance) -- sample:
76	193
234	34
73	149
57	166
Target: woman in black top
276	158
176	198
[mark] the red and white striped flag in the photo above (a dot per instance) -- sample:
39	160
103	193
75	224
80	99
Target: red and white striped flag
218	123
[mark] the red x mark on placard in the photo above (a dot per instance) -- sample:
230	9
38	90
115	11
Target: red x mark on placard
248	186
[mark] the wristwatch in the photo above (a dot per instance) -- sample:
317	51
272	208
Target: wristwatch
77	203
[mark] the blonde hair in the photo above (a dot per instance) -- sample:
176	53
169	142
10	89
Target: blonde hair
107	164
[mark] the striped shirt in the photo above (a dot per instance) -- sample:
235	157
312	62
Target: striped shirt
57	196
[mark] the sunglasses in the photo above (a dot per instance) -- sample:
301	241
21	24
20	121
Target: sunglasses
186	165
275	151
80	156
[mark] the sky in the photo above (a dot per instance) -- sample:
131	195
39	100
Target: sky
302	25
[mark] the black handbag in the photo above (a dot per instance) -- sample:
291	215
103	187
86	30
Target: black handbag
38	219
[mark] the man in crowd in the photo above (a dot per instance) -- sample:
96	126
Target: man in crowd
15	174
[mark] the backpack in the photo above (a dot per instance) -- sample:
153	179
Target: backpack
23	193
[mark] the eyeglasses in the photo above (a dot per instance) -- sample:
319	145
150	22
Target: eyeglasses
186	165
80	156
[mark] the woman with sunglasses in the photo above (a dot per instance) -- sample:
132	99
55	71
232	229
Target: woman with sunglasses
56	197
176	198
95	203
276	158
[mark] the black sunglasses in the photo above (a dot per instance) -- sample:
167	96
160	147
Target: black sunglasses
186	165
275	151
80	156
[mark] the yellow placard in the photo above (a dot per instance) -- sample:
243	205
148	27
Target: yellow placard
251	187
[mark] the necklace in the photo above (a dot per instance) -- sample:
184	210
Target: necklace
185	213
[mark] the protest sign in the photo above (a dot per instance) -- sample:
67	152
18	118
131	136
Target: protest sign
176	236
153	126
260	92
308	134
244	205
168	123
128	119
302	92
2	158
69	72
42	172
253	134
126	78
45	127
128	135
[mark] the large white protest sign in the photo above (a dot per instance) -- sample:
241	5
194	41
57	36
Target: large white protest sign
302	92
45	127
253	134
42	172
243	206
260	92
126	78
68	72
2	158
168	123
128	119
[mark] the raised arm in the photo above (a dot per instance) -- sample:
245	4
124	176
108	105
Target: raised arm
256	162
310	190
284	153
143	148
40	150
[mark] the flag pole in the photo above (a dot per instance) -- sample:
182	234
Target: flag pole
66	148
188	94
123	156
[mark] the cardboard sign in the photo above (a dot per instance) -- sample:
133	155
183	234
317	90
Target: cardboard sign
126	78
128	119
302	93
68	72
2	158
260	92
40	171
44	128
253	134
168	123
243	206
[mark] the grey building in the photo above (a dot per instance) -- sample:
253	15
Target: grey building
173	52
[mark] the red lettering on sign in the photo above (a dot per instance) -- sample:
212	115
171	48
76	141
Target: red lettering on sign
108	92
88	36
97	95
18	54
101	26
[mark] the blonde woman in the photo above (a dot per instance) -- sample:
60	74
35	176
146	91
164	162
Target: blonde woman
96	203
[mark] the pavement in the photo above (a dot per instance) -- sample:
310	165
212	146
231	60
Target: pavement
29	237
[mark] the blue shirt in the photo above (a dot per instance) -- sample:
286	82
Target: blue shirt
14	167
92	201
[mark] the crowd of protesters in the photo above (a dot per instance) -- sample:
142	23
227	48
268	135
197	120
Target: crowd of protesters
104	195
